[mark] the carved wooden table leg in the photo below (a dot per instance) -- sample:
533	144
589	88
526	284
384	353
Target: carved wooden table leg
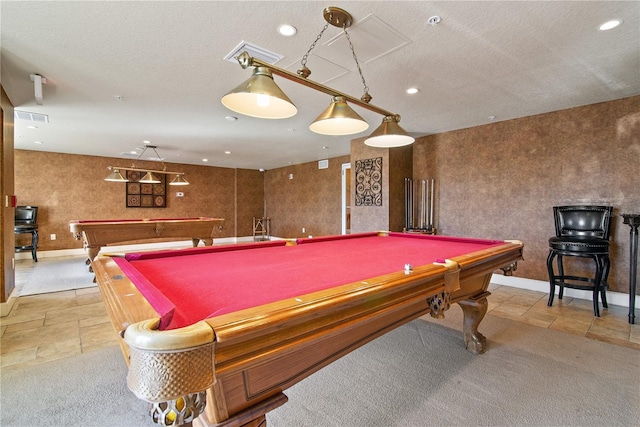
474	310
93	253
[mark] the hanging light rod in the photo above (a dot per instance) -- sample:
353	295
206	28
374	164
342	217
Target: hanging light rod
112	168
260	97
149	178
246	61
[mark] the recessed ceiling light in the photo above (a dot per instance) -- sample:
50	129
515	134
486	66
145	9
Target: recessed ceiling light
231	118
38	142
610	25
287	30
146	142
227	152
205	160
413	90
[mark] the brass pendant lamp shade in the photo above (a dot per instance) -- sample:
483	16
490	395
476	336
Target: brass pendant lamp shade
389	134
339	119
116	176
150	178
179	180
260	97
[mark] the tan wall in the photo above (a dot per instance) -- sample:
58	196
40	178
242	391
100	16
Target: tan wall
67	187
502	180
312	199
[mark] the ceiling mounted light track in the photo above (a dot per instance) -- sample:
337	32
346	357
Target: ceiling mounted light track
150	176
261	97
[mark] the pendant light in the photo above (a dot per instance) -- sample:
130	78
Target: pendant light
116	176
389	134
339	119
260	97
150	176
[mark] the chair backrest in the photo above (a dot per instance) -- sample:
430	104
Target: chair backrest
26	215
583	220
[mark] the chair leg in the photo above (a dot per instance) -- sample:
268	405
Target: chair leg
597	282
552	279
561	277
34	245
604	282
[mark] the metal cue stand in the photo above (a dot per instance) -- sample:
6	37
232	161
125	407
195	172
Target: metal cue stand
633	221
418	198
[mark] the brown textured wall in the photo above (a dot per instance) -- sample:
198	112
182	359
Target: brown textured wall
502	180
369	218
249	200
397	164
312	199
495	181
400	167
67	187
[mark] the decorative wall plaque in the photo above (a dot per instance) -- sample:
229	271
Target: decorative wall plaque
369	182
141	195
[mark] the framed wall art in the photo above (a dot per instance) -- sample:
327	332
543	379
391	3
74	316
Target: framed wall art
369	182
144	195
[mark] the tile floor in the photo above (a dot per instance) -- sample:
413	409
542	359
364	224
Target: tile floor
50	326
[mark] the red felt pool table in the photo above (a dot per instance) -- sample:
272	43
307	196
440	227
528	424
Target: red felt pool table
98	233
234	326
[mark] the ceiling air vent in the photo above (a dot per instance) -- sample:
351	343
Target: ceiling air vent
254	51
34	117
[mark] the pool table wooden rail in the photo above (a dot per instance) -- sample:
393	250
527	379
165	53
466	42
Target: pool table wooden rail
260	352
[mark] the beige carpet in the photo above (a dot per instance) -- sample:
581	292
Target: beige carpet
418	375
56	275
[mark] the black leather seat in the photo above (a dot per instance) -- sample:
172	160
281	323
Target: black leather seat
26	221
581	231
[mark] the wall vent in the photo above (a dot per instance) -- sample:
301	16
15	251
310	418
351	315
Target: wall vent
255	51
34	117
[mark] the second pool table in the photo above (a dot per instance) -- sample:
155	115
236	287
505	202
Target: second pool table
98	233
214	335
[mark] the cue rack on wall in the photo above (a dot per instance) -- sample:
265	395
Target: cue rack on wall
419	197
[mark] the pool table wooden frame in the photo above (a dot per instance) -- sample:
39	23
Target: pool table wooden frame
241	362
99	233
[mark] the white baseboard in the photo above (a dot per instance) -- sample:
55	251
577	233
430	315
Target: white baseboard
614	298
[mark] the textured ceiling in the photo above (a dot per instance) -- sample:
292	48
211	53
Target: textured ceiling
164	60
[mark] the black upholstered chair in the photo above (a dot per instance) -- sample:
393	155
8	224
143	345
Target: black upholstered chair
26	222
581	231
